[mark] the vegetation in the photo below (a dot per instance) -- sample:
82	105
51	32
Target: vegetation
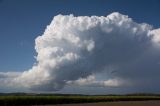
45	100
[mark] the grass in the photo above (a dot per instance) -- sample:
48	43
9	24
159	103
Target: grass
46	100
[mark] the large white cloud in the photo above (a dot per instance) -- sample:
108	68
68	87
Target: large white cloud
74	48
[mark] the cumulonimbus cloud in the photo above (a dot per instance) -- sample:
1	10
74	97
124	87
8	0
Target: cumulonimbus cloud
72	49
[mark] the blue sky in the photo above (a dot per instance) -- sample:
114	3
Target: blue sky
21	21
125	59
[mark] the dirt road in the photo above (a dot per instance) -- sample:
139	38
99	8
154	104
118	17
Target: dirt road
125	103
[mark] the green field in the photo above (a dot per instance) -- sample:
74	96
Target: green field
45	100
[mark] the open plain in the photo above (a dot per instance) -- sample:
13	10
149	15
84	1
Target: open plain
120	103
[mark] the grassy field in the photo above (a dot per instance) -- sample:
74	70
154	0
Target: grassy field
46	100
120	103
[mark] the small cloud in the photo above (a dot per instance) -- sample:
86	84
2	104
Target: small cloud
91	81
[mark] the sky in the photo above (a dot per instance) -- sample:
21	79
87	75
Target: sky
27	45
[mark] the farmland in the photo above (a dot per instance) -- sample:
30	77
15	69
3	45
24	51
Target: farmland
120	103
68	99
